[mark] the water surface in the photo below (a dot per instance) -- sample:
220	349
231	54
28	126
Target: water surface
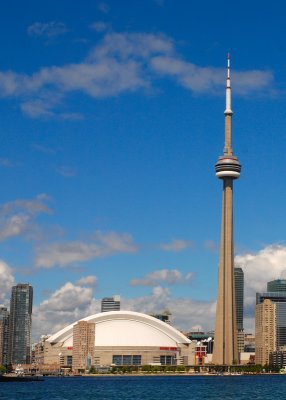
263	387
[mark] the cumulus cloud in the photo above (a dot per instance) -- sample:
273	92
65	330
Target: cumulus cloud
18	217
176	245
121	62
49	29
168	276
6	282
66	305
67	298
89	280
102	245
261	267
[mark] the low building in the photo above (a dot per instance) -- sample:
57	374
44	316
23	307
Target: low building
124	338
110	303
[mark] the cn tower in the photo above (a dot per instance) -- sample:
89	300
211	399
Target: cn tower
227	168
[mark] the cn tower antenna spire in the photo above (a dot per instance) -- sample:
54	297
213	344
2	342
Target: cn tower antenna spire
228	89
228	112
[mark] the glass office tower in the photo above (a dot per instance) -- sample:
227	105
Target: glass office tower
20	324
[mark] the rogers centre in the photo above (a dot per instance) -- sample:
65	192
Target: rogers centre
117	338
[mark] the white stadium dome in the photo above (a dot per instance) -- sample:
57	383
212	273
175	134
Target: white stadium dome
125	328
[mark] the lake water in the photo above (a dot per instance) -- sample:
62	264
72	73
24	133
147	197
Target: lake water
263	387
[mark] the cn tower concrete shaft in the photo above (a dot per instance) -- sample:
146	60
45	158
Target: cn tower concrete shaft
227	168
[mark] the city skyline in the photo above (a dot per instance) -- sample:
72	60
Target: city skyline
111	122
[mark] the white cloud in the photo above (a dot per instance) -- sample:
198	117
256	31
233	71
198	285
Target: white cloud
102	245
89	280
18	217
261	267
64	306
176	245
48	29
208	79
169	276
6	282
67	298
185	311
121	62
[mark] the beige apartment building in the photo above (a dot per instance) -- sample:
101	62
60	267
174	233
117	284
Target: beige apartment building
265	331
83	345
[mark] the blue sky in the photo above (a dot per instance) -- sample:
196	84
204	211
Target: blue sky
111	123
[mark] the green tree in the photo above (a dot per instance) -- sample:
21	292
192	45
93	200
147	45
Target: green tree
91	370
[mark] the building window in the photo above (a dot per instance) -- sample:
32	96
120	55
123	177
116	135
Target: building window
117	360
136	360
167	360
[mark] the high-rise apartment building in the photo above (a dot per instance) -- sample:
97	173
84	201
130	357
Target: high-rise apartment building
265	332
110	304
4	335
270	323
20	324
228	169
239	296
83	345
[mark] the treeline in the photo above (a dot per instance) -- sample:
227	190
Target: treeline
151	369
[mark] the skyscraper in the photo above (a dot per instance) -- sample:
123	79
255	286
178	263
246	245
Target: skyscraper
265	331
270	323
110	304
4	335
278	285
227	168
239	295
20	324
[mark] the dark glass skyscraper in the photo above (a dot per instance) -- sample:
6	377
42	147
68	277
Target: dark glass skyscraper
239	294
278	285
4	335
20	324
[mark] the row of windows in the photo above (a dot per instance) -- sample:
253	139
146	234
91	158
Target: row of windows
126	360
